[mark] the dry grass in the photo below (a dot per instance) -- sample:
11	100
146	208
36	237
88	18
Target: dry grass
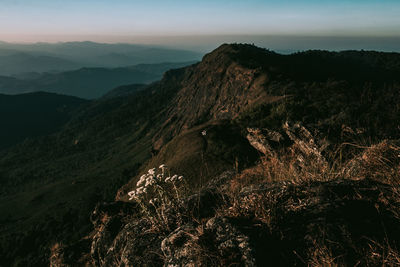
382	255
289	174
375	255
321	256
284	168
380	162
56	255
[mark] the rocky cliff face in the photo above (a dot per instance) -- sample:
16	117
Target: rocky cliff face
219	87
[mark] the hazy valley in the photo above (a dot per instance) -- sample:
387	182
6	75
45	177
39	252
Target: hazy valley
17	59
88	83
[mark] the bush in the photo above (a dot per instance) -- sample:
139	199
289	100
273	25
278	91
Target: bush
159	193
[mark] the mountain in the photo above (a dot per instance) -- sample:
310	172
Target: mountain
33	114
125	90
10	82
253	132
87	83
160	68
25	62
45	57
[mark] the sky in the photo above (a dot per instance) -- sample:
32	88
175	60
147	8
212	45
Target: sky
160	20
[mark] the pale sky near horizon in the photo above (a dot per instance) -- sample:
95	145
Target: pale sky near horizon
114	20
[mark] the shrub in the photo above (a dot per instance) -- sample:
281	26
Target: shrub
159	195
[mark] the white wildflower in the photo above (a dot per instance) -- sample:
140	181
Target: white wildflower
131	195
152	171
163	166
139	190
167	179
150	181
141	180
180	178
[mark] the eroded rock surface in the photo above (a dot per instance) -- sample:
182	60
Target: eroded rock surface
294	136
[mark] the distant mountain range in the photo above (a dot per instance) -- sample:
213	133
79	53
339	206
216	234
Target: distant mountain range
21	62
86	83
125	90
45	57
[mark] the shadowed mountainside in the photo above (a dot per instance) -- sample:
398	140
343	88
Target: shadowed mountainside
33	114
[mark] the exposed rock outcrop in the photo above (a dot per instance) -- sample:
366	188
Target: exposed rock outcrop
380	162
179	247
296	137
121	239
308	147
261	140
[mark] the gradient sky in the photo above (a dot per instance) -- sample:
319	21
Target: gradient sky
36	20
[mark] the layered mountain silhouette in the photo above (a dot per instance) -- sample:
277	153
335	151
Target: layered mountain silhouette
16	59
125	90
25	62
88	83
54	182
